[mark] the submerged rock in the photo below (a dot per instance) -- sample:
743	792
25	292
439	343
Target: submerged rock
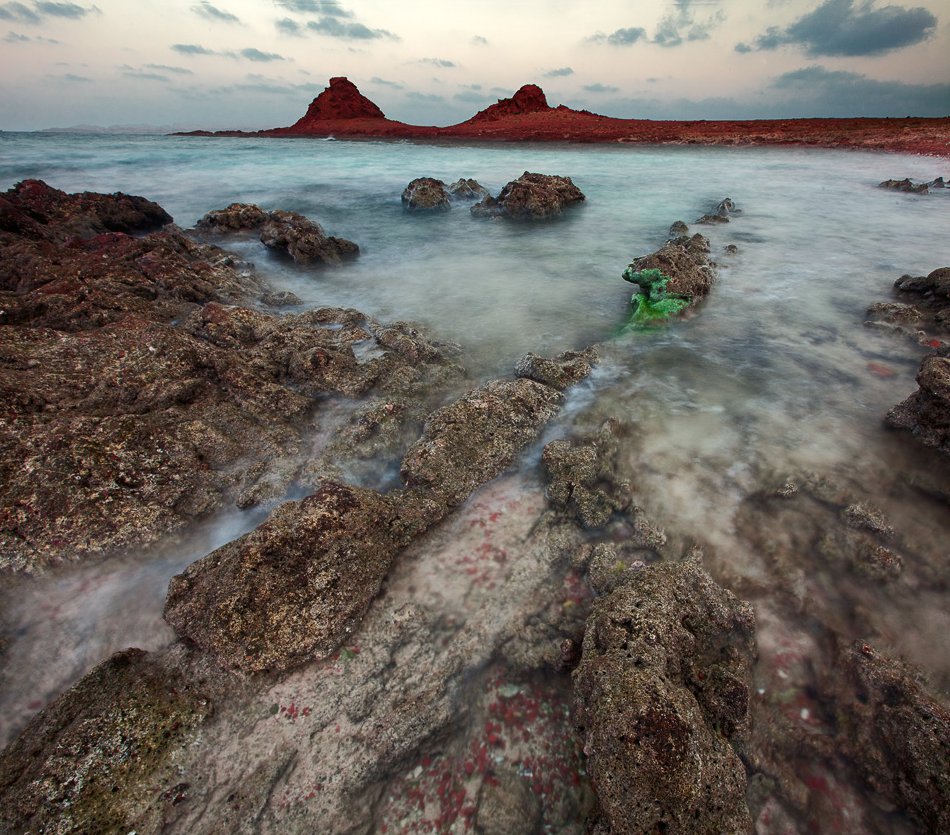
721	214
531	197
561	372
662	687
926	413
426	194
468	189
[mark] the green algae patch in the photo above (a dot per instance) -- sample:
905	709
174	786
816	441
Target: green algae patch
653	303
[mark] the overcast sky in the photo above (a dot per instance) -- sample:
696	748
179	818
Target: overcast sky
258	63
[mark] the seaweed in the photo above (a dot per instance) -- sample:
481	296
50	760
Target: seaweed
653	303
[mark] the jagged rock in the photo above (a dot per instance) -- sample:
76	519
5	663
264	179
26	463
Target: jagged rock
721	215
289	591
426	194
904	185
678	230
926	413
662	687
529	99
468	190
474	439
531	197
936	284
234	218
87	762
896	734
582	477
303	240
938	183
562	372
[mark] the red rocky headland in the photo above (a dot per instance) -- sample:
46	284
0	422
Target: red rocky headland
342	111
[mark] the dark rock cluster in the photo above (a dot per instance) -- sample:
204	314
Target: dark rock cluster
531	197
428	194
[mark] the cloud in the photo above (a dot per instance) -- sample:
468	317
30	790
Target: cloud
559	73
13	37
81	79
438	62
192	49
601	88
842	27
428	97
145	76
167	68
19	13
478	40
206	10
621	37
840	93
335	28
70	10
473	97
382	82
286	26
327	8
253	54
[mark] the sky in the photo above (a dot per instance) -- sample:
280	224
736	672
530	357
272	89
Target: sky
252	64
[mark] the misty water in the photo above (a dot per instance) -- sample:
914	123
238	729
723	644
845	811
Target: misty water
774	374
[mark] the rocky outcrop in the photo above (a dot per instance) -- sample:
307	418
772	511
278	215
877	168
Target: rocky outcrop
289	232
341	100
721	213
531	197
305	241
560	372
926	413
529	99
468	189
472	440
906	184
661	690
896	734
88	762
426	194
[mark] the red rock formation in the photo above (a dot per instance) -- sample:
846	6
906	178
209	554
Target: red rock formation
341	100
529	99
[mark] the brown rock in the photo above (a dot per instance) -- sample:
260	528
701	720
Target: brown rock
468	190
926	413
687	264
662	686
562	372
305	241
529	99
426	194
507	806
531	197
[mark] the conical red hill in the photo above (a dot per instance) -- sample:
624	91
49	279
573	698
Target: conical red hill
529	99
341	100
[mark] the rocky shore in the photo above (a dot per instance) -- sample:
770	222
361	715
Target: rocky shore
481	648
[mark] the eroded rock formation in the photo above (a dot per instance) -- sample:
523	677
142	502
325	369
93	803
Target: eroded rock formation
531	197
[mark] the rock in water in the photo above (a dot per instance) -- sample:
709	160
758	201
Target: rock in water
926	413
426	194
305	241
531	197
468	190
661	689
906	184
234	218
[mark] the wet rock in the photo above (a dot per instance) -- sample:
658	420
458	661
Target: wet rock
926	413
936	284
561	372
721	214
678	230
582	477
289	591
531	197
507	806
868	558
676	276
896	734
87	763
904	185
662	687
305	241
474	439
904	314
938	183
468	189
234	218
426	194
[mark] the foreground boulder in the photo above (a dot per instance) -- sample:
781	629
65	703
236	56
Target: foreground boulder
289	232
926	413
531	197
662	687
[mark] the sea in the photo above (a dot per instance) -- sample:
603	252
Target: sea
775	374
